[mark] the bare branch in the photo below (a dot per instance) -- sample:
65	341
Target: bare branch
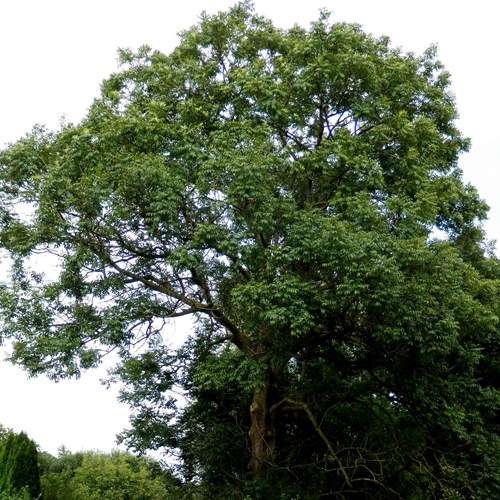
317	428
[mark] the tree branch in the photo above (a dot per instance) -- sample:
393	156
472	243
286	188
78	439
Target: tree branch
317	428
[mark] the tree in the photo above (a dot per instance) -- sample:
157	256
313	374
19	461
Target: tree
117	475
297	192
19	466
56	473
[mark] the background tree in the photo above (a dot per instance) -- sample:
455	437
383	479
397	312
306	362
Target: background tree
19	466
56	473
297	191
116	475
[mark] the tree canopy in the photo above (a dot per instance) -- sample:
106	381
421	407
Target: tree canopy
118	475
296	191
114	476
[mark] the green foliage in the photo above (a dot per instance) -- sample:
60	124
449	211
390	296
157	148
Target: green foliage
297	192
19	473
22	494
56	474
118	475
4	433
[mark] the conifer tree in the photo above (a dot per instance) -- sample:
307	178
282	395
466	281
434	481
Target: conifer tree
19	465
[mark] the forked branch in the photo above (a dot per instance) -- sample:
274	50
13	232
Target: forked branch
317	428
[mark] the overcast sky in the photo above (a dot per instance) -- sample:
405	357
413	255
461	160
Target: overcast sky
55	53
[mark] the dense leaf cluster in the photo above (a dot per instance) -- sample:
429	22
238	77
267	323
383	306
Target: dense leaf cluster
297	192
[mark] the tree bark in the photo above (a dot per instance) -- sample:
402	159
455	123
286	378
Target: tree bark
262	432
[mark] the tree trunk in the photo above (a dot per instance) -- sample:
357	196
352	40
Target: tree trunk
262	431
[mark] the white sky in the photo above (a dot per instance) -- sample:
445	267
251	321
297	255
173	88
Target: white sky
55	53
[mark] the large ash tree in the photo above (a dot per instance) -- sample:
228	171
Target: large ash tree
297	193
